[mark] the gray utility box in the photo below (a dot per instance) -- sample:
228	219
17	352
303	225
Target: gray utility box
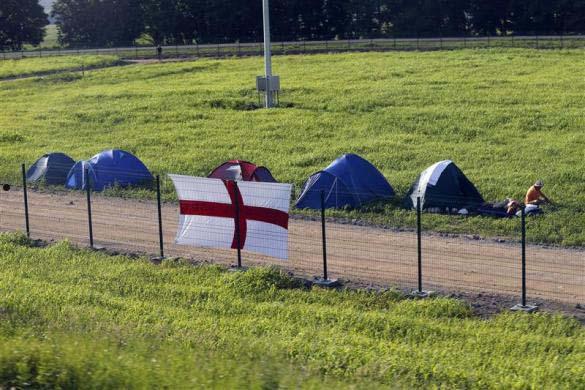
274	83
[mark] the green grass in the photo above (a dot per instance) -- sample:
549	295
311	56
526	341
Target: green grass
505	116
71	317
40	65
51	37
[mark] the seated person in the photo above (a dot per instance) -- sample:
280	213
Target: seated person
534	196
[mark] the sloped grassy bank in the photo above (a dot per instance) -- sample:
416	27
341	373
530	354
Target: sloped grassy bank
74	318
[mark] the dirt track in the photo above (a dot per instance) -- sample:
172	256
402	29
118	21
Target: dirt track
356	253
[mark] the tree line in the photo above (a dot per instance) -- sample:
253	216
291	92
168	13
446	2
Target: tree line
121	22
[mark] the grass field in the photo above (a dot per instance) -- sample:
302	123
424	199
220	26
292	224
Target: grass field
506	117
51	37
72	317
36	66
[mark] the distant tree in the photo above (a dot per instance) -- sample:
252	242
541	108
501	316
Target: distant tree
492	17
21	22
98	22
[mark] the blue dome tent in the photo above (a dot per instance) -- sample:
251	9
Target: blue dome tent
52	169
349	181
107	169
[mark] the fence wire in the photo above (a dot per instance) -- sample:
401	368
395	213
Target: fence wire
126	220
307	47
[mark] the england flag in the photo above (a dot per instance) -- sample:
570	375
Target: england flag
227	214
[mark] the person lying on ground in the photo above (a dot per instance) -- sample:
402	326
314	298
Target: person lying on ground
509	205
535	196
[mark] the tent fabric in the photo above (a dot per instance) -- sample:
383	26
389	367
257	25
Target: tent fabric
242	171
444	186
52	169
107	169
349	181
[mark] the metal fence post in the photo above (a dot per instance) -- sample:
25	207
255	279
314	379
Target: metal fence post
536	41
523	228
25	191
419	243
88	192
419	293
237	222
160	222
523	306
323	235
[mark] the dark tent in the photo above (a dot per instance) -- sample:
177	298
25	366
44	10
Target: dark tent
51	169
242	170
348	181
444	187
107	169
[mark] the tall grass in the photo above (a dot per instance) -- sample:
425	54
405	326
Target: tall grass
74	318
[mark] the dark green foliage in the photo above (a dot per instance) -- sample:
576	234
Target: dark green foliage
21	21
110	22
101	23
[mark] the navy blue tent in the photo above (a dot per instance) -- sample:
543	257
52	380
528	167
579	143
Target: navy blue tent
348	181
107	169
444	187
52	169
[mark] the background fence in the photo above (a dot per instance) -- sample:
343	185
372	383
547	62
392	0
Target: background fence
319	245
307	47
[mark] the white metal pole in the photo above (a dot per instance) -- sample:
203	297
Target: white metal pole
267	53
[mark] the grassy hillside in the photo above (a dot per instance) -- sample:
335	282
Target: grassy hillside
71	317
51	37
506	117
40	65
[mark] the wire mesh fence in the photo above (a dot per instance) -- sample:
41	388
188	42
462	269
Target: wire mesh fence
145	220
238	49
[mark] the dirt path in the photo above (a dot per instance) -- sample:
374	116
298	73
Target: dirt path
363	254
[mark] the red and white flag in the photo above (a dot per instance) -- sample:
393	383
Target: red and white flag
208	214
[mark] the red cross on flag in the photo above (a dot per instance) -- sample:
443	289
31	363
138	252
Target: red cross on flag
213	213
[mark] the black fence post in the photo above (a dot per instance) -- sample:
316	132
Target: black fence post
523	306
523	228
88	192
160	222
419	293
536	41
419	242
25	191
237	221
323	235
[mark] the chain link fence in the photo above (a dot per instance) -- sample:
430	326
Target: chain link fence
238	49
320	245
